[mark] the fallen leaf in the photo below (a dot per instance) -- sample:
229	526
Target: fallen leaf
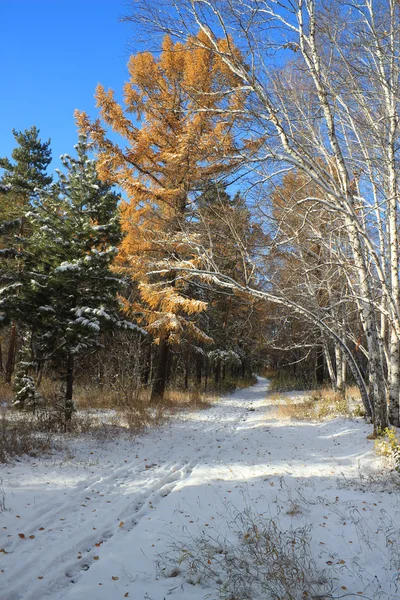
114	578
2	551
41	528
329	562
21	535
41	577
126	595
31	537
121	524
96	557
344	587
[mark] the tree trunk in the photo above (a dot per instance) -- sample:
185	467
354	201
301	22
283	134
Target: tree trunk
11	353
394	383
69	403
186	382
147	365
319	367
217	373
328	362
339	371
199	367
161	370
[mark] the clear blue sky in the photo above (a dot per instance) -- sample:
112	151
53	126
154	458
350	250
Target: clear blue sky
52	55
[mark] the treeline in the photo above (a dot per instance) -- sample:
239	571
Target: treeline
77	301
259	207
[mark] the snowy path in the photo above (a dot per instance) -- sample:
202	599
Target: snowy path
95	524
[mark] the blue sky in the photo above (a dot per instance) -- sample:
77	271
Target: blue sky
52	55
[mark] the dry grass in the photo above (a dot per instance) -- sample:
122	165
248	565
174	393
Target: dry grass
259	560
22	433
6	393
95	397
316	406
193	399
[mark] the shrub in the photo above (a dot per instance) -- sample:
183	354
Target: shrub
283	382
319	405
23	434
263	561
388	444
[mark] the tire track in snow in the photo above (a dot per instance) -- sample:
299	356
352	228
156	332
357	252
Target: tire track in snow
152	492
134	488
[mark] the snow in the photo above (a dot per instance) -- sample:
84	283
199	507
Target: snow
108	515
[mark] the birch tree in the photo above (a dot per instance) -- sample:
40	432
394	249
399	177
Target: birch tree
321	84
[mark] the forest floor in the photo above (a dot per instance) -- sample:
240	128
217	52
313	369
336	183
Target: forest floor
221	502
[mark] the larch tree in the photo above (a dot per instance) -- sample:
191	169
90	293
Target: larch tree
178	138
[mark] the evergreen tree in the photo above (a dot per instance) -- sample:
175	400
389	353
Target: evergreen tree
70	293
22	178
28	171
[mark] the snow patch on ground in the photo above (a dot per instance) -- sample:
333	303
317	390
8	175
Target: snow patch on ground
110	518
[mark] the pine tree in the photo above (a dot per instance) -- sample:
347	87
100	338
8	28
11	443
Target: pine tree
22	178
70	293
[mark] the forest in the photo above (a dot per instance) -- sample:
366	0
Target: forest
236	211
200	316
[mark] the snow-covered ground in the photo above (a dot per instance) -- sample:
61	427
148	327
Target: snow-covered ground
111	519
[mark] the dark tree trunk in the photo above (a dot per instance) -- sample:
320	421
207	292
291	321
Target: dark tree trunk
186	383
69	404
217	373
199	366
161	370
147	365
11	353
243	368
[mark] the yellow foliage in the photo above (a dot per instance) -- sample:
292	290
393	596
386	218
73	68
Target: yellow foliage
172	145
388	444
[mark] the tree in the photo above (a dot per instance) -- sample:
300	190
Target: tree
69	292
179	139
22	178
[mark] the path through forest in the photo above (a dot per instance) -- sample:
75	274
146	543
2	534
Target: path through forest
108	519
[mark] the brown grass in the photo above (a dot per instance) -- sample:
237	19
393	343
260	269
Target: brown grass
20	433
6	393
317	406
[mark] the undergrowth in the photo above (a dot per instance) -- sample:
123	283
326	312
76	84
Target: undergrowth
260	560
284	382
119	406
317	406
388	445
